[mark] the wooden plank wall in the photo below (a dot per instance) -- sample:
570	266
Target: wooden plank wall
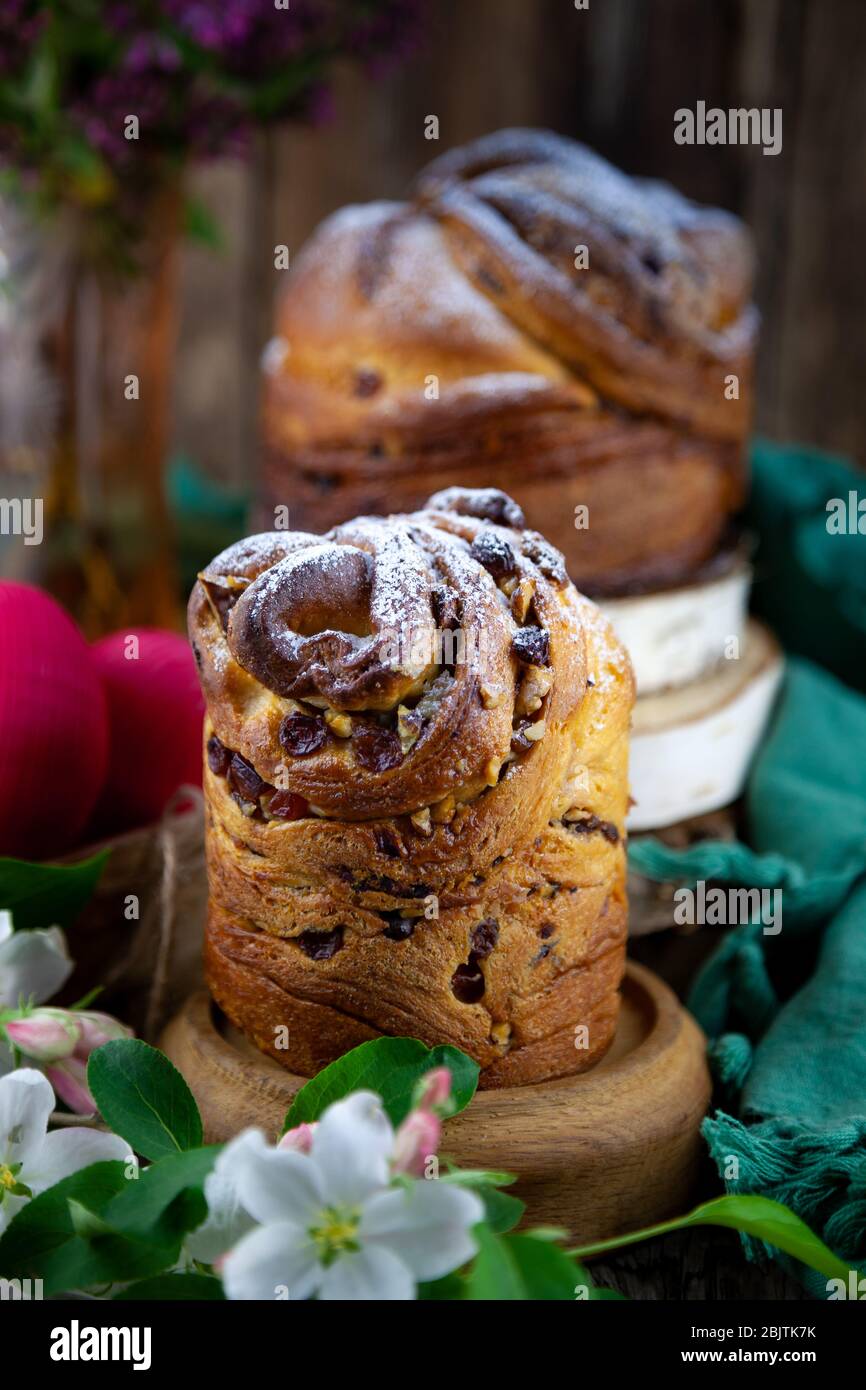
611	75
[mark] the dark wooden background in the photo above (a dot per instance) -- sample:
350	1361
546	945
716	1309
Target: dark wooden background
612	75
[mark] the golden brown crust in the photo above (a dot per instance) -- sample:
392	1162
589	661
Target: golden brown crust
662	312
659	502
451	862
453	340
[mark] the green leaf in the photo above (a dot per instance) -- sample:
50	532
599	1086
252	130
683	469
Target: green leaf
84	1222
494	1275
48	895
42	1241
755	1216
525	1267
556	1234
480	1177
142	1097
101	1226
451	1287
391	1067
546	1269
502	1212
165	1201
172	1288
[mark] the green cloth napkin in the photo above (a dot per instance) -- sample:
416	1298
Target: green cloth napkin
810	586
786	1014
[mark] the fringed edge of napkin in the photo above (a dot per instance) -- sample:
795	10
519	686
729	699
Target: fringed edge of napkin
822	1177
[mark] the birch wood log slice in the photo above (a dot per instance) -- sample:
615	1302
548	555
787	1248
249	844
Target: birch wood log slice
675	636
601	1153
691	747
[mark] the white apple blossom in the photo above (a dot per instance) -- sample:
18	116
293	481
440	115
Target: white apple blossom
33	966
227	1220
31	1159
334	1221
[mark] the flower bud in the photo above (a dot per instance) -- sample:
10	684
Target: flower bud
299	1139
45	1035
415	1142
97	1029
433	1092
69	1079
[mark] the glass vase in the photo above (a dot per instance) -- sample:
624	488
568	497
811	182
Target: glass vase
86	354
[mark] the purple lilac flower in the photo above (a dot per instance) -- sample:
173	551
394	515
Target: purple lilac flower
148	84
151	53
195	73
253	35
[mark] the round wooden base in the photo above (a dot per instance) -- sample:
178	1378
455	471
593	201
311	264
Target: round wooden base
602	1153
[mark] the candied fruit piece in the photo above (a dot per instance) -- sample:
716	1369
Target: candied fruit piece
376	749
302	734
321	945
494	554
532	644
218	756
467	983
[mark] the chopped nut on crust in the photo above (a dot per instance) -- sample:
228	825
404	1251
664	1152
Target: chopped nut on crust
443	810
491	771
408	727
421	821
535	731
522	598
339	723
492	696
534	686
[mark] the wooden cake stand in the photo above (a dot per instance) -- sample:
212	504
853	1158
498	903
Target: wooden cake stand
606	1152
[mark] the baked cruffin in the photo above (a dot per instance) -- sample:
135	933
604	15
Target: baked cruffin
416	789
532	317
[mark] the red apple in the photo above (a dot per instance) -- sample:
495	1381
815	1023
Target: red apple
53	727
155	711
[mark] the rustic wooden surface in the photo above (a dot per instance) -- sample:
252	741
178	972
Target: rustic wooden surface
698	1265
611	75
602	1153
707	1263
